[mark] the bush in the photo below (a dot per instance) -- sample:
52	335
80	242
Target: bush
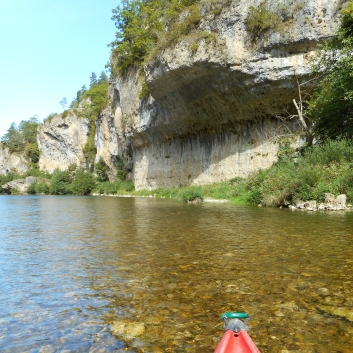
323	168
101	170
83	183
331	107
144	27
120	169
261	19
115	187
60	182
190	194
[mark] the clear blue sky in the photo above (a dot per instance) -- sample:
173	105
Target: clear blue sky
48	50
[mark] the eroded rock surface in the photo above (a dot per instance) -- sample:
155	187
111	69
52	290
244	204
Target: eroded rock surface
10	161
209	115
21	185
61	142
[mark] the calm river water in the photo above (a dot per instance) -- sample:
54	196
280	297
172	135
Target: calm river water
89	274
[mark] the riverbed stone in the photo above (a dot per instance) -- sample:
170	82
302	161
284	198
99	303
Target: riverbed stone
128	330
342	312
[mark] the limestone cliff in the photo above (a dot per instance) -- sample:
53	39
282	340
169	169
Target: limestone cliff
209	114
61	141
11	161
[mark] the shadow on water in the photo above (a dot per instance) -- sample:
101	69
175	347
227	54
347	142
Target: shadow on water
73	266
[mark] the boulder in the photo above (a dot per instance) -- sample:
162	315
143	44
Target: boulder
20	186
128	330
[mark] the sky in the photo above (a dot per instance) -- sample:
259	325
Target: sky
48	50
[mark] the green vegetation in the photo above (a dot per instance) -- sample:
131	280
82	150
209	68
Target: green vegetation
262	18
331	108
92	103
23	138
75	181
146	27
101	170
114	188
41	187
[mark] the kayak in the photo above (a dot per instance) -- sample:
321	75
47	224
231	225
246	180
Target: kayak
236	338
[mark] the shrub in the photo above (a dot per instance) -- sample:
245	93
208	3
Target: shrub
60	182
38	187
120	169
190	194
83	183
261	19
101	170
145	27
331	107
144	90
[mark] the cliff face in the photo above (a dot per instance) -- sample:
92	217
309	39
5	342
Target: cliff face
209	115
61	142
10	161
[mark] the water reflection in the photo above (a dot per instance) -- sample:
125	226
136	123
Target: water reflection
72	266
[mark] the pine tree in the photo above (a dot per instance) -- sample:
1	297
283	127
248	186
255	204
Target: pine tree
92	79
103	77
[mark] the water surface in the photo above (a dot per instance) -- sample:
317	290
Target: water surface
73	267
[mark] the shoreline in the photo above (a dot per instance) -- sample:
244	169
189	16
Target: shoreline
206	200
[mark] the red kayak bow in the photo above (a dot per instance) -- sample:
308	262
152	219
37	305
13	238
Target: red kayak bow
236	338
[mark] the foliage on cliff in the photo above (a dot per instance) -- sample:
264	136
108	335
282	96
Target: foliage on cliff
144	27
90	104
263	18
331	108
23	138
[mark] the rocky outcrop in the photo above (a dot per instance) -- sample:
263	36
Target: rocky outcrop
12	161
209	114
20	186
331	203
61	141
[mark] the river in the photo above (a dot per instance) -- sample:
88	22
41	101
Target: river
79	273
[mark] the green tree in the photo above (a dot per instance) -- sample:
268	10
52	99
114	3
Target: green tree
101	170
83	183
141	26
92	79
103	77
17	138
63	103
60	182
331	107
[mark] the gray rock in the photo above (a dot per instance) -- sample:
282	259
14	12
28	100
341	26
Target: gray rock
209	115
61	142
12	161
21	185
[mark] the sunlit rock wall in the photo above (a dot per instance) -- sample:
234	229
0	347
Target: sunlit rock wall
12	161
210	112
61	141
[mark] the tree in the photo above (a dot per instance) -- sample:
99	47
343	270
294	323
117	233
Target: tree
103	77
63	103
83	183
60	182
18	138
92	79
101	170
331	107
